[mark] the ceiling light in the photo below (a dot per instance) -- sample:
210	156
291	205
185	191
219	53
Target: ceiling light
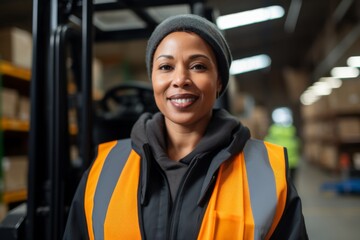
308	97
250	64
333	82
353	61
104	1
160	13
344	72
249	17
117	20
321	88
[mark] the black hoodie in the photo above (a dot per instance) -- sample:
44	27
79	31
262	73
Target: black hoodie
177	192
220	133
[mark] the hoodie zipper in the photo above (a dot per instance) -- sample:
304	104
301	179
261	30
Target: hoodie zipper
175	210
159	170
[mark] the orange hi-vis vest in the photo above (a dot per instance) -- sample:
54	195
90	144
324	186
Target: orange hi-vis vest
247	201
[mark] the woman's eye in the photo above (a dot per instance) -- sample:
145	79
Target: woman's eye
165	67
199	67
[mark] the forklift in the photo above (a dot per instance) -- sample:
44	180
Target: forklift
64	29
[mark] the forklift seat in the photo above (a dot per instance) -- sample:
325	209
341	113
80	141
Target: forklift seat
118	110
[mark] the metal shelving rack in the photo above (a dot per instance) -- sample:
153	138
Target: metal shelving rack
18	74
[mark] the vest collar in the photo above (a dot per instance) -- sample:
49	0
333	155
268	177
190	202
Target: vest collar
240	138
145	171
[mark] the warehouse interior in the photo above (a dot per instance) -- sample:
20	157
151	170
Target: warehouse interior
304	45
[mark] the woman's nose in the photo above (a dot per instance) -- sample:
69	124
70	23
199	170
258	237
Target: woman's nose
181	77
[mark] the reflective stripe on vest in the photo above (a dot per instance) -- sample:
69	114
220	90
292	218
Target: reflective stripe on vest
247	201
111	193
249	195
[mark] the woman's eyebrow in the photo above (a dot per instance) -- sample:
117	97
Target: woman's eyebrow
165	56
191	57
199	56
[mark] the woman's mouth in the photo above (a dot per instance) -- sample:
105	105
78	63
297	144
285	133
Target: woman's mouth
182	100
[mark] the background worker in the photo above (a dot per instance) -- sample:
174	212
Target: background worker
283	132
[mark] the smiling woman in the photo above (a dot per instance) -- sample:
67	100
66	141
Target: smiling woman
188	171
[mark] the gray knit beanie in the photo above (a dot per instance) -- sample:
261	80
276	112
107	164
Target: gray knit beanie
202	27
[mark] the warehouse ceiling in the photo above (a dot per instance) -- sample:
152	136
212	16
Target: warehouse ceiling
312	37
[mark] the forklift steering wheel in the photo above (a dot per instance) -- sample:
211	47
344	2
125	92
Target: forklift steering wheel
128	100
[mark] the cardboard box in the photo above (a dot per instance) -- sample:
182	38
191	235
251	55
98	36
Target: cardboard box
317	130
348	129
258	122
356	161
329	157
16	46
24	109
9	102
3	211
318	109
312	151
308	112
15	173
346	99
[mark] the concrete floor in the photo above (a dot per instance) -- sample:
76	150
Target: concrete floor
328	215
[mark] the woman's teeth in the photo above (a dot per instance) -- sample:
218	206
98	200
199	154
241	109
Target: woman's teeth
182	100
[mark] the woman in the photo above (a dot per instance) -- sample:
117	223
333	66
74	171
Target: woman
189	171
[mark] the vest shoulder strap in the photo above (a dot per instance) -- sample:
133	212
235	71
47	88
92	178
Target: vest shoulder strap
249	195
103	179
266	172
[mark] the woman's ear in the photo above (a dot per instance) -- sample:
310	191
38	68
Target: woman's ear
218	88
219	84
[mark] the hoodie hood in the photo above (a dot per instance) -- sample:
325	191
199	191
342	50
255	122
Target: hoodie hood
223	131
224	137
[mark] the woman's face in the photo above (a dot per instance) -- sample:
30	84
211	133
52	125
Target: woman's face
185	79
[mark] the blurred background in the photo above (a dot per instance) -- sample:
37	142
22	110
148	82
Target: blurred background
294	81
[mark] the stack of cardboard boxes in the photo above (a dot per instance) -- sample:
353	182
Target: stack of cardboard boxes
15	50
332	127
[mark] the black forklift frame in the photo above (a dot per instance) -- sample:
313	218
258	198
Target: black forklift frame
49	157
49	196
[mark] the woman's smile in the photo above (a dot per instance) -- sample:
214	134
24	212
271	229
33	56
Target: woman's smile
183	101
